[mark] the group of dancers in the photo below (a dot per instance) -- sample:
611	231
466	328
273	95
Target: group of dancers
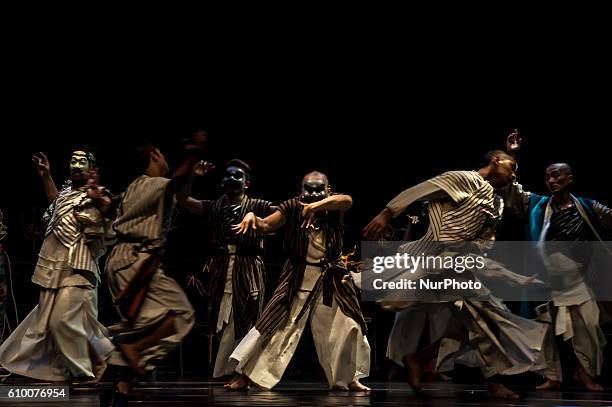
61	339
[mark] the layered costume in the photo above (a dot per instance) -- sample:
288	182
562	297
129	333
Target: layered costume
314	287
475	328
144	300
61	337
236	273
573	311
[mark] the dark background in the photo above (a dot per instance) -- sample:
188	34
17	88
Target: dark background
375	124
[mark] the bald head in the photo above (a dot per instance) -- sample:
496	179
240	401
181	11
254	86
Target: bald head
558	178
563	167
316	175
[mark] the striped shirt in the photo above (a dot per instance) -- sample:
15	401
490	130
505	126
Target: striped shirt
78	231
142	223
248	271
517	201
296	241
463	206
568	225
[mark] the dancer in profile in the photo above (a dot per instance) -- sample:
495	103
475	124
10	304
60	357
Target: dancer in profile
155	312
464	207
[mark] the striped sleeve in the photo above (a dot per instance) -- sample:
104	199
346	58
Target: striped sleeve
289	208
423	191
459	185
263	208
143	208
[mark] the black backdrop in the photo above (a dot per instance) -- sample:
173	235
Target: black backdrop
373	131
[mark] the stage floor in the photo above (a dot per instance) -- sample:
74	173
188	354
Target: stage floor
294	393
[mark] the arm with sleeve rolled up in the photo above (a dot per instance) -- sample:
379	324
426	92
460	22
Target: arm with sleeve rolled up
50	188
516	200
181	177
277	219
269	224
43	168
186	201
183	197
339	203
185	171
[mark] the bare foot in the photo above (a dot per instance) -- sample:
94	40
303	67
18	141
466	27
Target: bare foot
356	385
124	388
582	376
549	385
499	391
234	378
133	358
415	372
238	383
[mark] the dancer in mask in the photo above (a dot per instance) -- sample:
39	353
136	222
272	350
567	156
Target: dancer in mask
61	339
235	266
314	287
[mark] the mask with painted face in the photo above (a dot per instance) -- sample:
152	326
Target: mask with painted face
80	162
314	189
234	180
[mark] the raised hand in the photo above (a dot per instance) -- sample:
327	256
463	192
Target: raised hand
514	141
41	162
